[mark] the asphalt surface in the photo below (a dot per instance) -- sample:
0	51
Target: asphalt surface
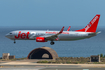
32	65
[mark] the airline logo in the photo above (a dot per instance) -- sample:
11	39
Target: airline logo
87	27
91	23
40	39
57	32
22	35
94	19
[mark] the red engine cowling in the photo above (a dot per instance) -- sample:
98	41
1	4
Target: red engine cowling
40	39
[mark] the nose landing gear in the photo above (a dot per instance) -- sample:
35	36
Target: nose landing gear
14	41
52	43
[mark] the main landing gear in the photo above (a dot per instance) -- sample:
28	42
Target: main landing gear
14	41
52	43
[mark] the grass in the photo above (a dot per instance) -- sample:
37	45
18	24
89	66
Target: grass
75	60
65	60
13	59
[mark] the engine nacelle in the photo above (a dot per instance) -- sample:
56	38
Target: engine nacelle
40	39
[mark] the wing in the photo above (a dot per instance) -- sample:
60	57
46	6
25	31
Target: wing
53	37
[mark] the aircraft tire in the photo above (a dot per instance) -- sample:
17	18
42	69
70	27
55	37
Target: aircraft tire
14	41
52	43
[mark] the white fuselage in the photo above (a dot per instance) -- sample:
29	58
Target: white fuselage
64	36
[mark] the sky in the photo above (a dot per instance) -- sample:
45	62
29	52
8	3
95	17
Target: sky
50	12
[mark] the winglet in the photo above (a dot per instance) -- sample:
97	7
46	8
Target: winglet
69	28
61	30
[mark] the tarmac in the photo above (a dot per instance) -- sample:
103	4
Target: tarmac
30	65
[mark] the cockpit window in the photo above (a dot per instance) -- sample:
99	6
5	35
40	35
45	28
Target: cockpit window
10	33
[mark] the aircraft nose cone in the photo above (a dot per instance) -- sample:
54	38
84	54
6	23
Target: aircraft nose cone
7	35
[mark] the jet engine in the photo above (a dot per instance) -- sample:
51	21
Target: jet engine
40	39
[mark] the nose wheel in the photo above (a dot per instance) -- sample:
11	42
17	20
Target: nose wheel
52	43
14	41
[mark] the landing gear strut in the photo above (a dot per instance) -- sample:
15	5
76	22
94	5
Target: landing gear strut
52	43
14	41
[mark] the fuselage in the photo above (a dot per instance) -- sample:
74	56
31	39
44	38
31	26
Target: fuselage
32	34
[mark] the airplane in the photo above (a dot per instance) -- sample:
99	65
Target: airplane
44	36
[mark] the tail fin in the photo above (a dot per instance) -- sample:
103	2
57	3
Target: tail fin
92	26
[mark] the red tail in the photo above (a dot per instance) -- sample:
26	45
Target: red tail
92	26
